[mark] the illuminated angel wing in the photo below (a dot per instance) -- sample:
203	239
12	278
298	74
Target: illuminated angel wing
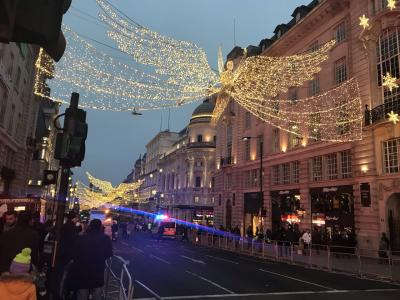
104	186
220	61
183	64
258	77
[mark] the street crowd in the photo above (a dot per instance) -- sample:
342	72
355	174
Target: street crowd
29	270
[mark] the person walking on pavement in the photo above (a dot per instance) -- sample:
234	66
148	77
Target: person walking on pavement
14	240
10	220
69	234
307	240
18	283
114	229
383	248
250	235
86	275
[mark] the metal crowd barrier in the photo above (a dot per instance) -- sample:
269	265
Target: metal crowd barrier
118	281
361	262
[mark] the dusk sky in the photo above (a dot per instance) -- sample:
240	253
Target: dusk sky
116	139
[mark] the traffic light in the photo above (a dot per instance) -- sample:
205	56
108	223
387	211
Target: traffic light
36	22
70	144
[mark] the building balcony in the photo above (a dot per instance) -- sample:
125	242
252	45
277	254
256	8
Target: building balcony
380	112
226	161
201	145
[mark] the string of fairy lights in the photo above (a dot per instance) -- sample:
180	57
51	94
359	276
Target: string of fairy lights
102	192
174	72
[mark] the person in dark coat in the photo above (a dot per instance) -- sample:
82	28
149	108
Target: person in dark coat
86	275
14	240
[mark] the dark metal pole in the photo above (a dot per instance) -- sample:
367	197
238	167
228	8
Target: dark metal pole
261	170
61	203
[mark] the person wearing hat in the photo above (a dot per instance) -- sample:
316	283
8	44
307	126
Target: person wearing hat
18	284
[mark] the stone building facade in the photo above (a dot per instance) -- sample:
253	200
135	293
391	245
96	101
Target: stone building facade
343	189
18	114
185	170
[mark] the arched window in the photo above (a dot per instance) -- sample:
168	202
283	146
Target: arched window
388	62
199	138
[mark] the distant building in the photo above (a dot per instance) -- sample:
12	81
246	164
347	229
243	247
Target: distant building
338	190
185	170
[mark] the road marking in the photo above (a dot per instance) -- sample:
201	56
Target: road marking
160	259
194	260
223	259
211	282
187	250
296	279
275	294
149	290
137	249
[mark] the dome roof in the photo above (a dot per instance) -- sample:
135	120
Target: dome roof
205	109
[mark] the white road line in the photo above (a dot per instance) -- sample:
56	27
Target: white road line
194	260
137	249
276	294
211	282
223	259
296	279
160	259
187	250
149	290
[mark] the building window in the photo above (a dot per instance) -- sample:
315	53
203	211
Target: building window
313	88
315	123
228	182
247	120
198	182
219	199
317	168
391	156
275	140
388	62
295	171
198	163
345	159
260	144
196	199
294	135
229	131
11	120
286	173
17	78
247	150
340	71
314	46
233	199
331	166
340	32
10	66
199	138
275	175
3	104
251	178
293	95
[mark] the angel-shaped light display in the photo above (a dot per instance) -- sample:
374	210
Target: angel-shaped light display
177	72
102	192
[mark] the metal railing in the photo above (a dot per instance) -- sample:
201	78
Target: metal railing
118	281
361	262
381	112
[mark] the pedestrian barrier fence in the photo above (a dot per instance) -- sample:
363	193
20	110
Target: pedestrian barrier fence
118	281
361	262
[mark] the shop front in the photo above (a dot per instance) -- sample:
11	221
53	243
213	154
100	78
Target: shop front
29	204
202	215
254	214
332	210
286	208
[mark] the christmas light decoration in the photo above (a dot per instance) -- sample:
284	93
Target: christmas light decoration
335	115
364	22
177	72
391	4
393	117
390	82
